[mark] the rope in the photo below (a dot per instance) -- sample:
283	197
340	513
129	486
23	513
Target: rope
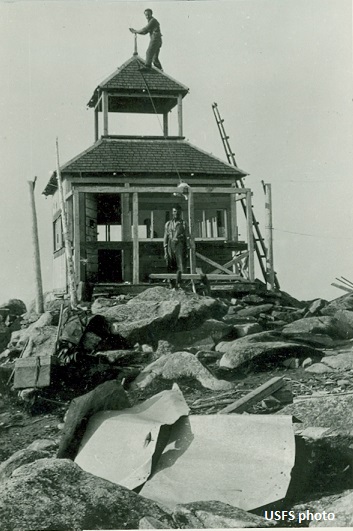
155	111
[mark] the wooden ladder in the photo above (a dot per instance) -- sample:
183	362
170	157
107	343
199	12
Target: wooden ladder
259	242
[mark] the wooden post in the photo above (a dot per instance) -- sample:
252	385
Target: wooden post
269	238
68	249
191	230
39	302
96	124
165	124
233	217
105	112
250	237
126	233
180	114
135	240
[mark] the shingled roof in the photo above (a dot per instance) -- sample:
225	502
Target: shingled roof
128	78
147	157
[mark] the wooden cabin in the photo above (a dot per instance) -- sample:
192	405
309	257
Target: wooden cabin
120	191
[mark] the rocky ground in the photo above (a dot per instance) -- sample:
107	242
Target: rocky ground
217	349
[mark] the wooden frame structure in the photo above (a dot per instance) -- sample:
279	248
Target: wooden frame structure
220	271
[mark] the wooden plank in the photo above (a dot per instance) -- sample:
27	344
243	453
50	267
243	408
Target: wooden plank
342	287
255	396
234	260
213	263
189	276
135	240
106	189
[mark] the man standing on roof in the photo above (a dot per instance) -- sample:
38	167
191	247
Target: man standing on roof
153	28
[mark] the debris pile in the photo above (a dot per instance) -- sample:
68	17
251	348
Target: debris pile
107	363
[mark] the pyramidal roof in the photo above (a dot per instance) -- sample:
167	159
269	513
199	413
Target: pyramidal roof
129	78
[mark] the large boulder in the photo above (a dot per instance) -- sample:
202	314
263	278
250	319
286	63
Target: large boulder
176	366
193	308
16	307
341	303
142	321
341	362
325	503
238	352
216	515
253	311
206	336
58	494
5	335
316	325
323	411
341	508
20	337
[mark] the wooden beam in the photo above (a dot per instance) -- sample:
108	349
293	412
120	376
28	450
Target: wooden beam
180	115
234	260
77	235
160	189
342	287
67	241
213	263
165	124
233	218
266	389
191	230
251	267
105	112
96	125
126	234
195	276
135	240
120	180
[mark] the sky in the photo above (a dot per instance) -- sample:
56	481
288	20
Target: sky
280	71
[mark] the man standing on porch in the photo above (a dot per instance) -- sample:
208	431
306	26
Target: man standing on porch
176	242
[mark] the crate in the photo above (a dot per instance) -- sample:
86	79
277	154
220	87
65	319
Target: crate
34	371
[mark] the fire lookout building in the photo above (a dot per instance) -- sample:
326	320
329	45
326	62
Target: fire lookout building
120	191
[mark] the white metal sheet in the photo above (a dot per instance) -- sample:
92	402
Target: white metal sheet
242	460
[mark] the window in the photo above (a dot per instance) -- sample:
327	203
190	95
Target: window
211	223
58	234
109	218
151	223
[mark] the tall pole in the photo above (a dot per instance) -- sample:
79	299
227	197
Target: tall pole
39	301
269	237
68	249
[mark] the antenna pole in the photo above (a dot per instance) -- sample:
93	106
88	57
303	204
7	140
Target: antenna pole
135	44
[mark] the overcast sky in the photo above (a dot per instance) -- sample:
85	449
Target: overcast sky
280	71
